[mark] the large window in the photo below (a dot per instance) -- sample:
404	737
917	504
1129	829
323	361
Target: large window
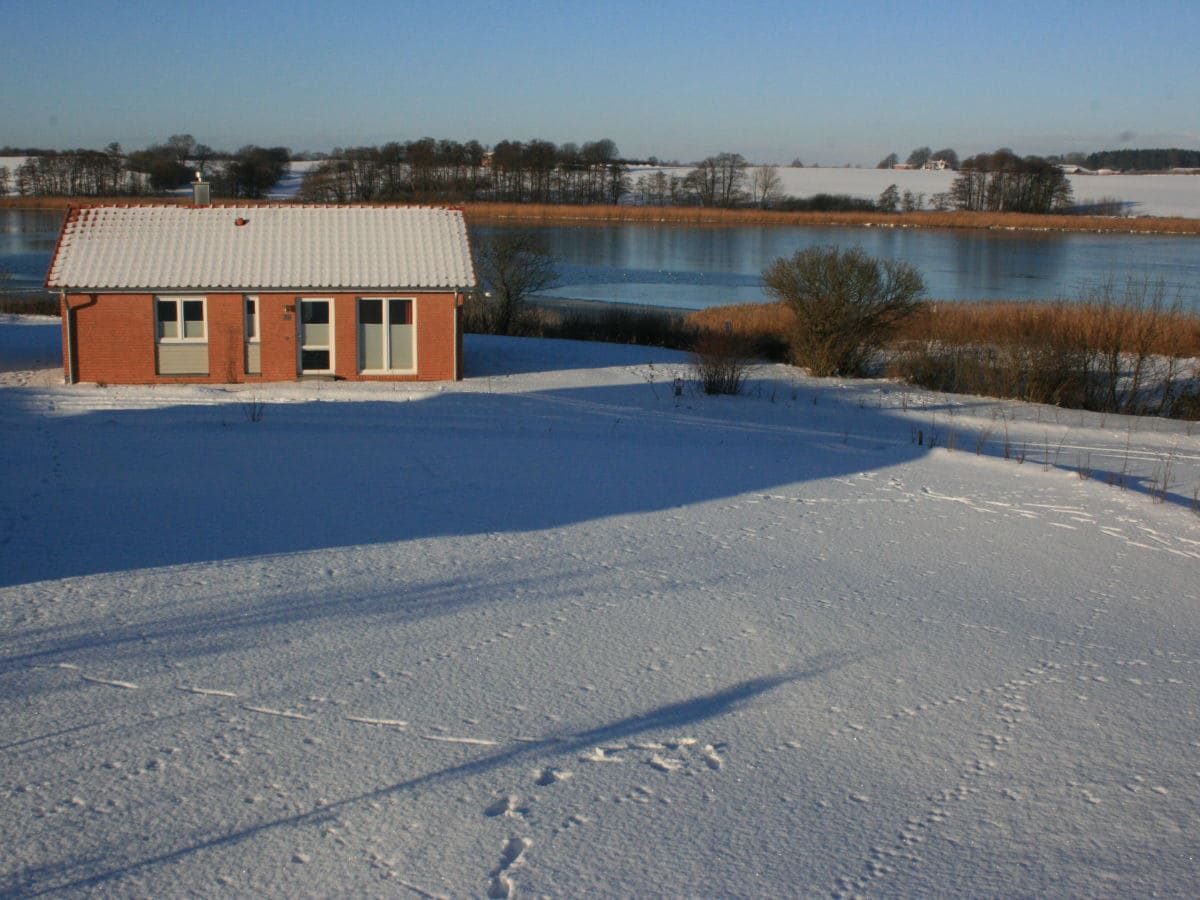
181	330
386	335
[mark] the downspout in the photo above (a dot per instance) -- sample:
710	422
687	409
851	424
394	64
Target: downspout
69	334
457	337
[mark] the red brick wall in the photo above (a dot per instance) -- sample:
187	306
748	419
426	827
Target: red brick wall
115	340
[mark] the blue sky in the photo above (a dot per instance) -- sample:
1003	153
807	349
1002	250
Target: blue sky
829	83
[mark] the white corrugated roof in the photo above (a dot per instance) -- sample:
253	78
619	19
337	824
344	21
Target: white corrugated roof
159	248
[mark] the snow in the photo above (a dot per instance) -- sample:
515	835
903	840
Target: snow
1148	195
552	631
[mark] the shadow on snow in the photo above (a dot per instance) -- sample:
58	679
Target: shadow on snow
662	721
121	490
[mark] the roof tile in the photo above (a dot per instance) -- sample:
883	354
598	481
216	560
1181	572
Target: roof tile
278	247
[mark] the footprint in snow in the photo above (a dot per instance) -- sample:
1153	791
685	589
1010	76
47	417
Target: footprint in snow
512	855
549	776
506	805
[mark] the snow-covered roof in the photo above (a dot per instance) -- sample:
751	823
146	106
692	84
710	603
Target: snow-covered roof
126	248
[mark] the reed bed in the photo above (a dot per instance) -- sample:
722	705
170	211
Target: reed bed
29	303
534	213
478	213
1126	351
766	326
1092	325
1168	331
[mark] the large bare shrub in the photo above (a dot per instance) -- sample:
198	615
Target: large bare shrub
512	265
847	305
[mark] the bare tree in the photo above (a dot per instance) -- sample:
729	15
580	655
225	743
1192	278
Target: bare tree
912	202
766	186
889	199
717	180
512	265
888	162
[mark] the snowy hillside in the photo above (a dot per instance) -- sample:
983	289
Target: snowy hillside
552	631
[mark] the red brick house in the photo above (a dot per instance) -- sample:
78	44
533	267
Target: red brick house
169	294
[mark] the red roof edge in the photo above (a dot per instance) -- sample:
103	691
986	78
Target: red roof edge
72	214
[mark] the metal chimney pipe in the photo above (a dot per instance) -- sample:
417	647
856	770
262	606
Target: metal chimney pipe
200	192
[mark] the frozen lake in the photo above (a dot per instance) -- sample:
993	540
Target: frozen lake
696	267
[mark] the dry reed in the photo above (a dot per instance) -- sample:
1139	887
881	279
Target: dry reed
1130	352
481	213
1024	321
968	322
532	213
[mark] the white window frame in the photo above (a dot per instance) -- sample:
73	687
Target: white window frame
300	345
180	338
387	338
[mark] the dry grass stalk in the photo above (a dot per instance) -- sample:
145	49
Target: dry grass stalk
721	361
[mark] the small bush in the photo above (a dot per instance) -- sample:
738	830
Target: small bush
721	362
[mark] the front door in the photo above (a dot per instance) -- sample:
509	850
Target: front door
316	337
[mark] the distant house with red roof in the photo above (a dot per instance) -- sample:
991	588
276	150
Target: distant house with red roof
168	294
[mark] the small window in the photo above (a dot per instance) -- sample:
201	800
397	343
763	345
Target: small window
315	312
251	318
253	352
314	360
180	319
193	320
168	320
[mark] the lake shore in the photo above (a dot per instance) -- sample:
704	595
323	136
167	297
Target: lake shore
538	214
533	214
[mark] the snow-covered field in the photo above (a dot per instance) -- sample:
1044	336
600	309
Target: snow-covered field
1147	195
552	631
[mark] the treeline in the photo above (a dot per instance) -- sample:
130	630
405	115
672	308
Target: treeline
522	172
921	157
1145	160
1005	182
424	170
247	173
